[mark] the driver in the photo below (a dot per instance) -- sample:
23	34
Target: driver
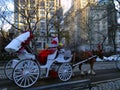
60	49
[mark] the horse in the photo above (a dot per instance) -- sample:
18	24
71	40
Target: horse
79	56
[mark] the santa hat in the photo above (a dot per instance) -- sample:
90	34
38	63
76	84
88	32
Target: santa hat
55	42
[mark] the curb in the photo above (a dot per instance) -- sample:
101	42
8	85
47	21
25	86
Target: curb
113	84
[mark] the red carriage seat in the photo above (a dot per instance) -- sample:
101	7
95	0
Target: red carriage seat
44	54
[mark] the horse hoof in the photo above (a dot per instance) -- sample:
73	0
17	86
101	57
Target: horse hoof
82	73
91	72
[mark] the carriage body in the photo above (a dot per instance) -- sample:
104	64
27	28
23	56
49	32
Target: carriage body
27	68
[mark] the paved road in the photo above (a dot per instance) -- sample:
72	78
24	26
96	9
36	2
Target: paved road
85	67
103	70
101	75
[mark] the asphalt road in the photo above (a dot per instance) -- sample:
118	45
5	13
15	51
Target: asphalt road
106	71
101	75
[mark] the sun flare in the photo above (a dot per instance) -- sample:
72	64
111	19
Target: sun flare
66	4
11	6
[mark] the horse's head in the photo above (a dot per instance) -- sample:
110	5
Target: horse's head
99	53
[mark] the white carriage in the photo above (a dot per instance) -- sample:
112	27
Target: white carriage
27	68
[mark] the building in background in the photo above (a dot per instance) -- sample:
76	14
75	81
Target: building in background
80	29
93	23
82	10
38	14
98	25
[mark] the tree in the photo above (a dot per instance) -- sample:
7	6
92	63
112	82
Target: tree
112	22
96	34
89	23
31	19
57	24
5	14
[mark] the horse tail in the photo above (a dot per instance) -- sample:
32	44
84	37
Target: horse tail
74	57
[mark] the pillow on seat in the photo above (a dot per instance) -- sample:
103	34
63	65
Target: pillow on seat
67	54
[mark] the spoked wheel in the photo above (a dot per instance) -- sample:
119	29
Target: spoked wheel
26	73
118	63
65	71
9	69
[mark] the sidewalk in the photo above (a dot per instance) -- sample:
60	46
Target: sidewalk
98	66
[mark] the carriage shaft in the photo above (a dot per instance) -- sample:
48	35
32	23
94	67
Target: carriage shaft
84	61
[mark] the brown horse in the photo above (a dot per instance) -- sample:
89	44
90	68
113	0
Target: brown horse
79	56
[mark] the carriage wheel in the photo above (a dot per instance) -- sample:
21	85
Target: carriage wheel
65	72
26	73
118	63
9	70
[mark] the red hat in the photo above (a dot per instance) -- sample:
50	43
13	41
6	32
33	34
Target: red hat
55	41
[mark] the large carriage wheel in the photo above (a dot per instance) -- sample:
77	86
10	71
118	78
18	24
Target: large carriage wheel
65	71
118	62
9	70
26	73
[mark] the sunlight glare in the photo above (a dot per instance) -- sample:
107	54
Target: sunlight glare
66	4
11	6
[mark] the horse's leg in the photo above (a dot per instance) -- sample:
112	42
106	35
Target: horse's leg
81	71
91	71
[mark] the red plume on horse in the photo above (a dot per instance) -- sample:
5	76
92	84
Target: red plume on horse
87	55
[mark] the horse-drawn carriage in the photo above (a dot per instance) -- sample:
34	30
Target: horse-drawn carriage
28	67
